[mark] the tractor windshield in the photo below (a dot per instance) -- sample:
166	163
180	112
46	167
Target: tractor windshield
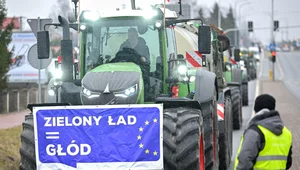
107	37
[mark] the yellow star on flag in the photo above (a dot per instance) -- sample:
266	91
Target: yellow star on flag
141	129
147	151
147	122
141	145
155	153
139	137
155	120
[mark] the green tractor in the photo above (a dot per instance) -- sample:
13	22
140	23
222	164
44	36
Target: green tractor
245	78
109	75
249	63
212	62
234	79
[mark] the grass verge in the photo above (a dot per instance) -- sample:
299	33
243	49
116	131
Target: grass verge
10	142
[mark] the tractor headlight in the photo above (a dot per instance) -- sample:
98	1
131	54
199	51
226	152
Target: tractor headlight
91	15
182	70
51	92
82	27
128	92
89	94
158	24
149	13
192	78
57	83
56	73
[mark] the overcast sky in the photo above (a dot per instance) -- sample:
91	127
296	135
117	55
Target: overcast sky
286	11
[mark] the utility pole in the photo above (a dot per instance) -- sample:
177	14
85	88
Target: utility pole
273	39
219	14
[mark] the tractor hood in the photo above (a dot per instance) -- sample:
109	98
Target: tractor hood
114	83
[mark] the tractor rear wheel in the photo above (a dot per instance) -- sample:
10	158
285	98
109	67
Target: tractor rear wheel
184	147
225	139
236	108
27	150
245	94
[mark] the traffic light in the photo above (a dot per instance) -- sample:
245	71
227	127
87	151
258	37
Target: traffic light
250	26
276	25
273	57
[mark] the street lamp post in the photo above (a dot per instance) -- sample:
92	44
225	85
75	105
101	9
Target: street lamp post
219	14
236	39
273	39
239	18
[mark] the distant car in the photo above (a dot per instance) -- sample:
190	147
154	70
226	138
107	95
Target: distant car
286	48
255	52
278	49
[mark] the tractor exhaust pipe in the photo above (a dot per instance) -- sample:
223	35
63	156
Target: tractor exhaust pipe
66	51
65	25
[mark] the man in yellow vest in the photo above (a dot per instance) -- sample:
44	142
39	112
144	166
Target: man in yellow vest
266	143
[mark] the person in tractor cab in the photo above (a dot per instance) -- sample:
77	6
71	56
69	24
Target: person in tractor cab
136	47
137	43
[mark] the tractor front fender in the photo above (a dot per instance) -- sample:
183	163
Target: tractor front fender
222	93
205	86
169	102
237	84
237	75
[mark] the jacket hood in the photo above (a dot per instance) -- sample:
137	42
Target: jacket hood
268	119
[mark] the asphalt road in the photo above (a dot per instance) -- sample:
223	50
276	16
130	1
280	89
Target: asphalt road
289	62
287	69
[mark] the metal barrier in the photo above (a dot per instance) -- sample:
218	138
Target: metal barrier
15	100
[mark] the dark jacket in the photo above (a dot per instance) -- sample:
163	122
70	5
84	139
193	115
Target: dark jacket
254	139
141	48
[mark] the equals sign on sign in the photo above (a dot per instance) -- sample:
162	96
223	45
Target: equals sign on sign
52	135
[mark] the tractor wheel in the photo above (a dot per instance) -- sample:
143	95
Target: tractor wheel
211	132
225	140
184	138
27	150
245	94
236	108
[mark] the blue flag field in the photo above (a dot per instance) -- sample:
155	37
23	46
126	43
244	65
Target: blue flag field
112	137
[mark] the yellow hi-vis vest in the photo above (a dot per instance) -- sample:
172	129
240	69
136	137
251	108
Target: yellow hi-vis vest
275	152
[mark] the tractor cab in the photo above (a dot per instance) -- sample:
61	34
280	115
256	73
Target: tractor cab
126	57
125	48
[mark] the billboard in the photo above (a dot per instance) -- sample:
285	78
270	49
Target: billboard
15	21
20	69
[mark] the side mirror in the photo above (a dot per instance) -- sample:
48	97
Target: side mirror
71	17
224	43
204	39
237	55
43	45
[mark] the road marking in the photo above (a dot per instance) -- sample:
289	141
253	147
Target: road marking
280	70
257	92
262	60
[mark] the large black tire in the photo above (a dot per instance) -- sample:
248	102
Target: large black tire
236	107
245	94
211	131
27	150
225	140
183	139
